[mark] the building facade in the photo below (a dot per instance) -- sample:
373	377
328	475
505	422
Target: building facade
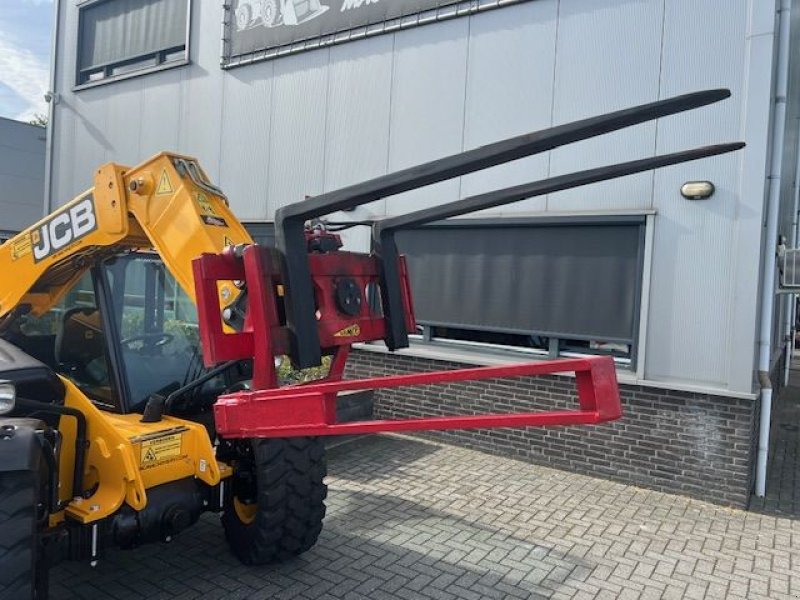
22	157
280	100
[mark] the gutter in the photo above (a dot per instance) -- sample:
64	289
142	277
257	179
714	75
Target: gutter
52	99
768	287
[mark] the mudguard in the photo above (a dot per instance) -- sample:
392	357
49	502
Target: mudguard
20	449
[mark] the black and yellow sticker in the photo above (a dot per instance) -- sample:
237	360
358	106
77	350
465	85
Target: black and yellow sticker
21	248
164	184
205	204
160	450
350	331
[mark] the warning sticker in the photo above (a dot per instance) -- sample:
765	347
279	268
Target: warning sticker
205	204
160	450
164	184
351	331
21	248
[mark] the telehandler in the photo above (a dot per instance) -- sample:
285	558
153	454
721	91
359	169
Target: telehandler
139	328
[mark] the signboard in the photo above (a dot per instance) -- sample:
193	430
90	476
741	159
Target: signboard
262	29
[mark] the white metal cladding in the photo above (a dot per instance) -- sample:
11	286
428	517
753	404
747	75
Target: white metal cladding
160	113
359	107
21	174
274	131
427	116
757	117
297	138
248	92
693	266
117	126
607	58
509	91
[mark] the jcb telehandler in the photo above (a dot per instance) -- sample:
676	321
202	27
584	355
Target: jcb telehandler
139	328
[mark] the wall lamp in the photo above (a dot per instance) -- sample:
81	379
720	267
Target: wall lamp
697	190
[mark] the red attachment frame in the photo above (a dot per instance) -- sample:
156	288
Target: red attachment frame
310	409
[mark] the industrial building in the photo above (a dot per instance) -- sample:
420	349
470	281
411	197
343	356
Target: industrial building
22	157
280	100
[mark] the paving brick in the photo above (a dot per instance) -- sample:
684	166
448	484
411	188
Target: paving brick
415	519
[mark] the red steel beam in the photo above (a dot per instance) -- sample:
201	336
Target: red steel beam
310	409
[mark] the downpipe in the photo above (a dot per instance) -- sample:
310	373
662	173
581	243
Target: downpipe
768	287
763	434
790	317
52	99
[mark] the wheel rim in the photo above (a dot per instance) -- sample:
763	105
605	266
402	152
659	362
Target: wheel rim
245	512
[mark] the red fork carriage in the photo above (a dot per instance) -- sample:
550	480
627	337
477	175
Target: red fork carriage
307	298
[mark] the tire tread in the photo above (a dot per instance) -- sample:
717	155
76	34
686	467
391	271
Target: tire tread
291	501
17	534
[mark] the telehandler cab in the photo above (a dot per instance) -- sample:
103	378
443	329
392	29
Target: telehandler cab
139	328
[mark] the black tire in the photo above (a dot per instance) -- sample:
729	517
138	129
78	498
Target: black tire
282	479
20	576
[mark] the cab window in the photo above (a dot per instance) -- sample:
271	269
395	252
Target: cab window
70	338
157	323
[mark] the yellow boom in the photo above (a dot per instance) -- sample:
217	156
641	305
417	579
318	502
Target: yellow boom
167	204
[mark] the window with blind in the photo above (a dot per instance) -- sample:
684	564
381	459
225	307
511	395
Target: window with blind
122	38
551	285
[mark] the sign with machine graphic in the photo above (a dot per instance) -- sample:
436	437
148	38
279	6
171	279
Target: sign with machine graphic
261	29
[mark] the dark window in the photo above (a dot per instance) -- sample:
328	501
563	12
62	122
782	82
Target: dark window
125	37
557	285
263	233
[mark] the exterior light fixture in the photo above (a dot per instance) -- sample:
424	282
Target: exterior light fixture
697	190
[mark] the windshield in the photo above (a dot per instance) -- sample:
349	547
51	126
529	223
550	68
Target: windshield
157	324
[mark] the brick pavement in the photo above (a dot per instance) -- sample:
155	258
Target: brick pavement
411	519
783	472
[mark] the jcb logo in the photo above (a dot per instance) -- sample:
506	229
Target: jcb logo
63	228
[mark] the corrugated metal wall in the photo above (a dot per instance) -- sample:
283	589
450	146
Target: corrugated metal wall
274	131
21	174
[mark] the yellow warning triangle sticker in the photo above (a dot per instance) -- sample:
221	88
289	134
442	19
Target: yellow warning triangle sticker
164	184
229	241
